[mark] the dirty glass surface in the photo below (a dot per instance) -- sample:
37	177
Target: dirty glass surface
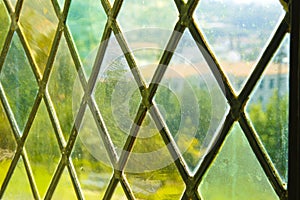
143	99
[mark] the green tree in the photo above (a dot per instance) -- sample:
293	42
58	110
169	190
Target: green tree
271	124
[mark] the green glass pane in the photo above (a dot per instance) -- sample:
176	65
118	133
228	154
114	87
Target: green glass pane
268	108
64	188
119	193
64	88
7	144
191	102
86	20
117	97
163	184
237	32
4	23
42	149
38	22
236	173
90	160
18	82
18	186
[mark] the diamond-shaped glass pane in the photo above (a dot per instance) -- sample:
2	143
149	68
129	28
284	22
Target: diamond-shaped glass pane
236	173
268	108
38	22
164	183
191	101
65	88
18	187
7	144
86	20
136	14
149	152
237	32
18	82
4	23
42	149
117	96
119	193
64	188
90	159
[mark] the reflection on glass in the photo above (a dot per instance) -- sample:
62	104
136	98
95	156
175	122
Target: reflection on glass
237	31
38	22
7	144
164	183
117	97
64	88
64	188
86	20
90	159
18	82
18	186
42	149
268	108
190	101
236	173
4	23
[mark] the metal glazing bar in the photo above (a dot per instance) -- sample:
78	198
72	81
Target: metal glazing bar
165	59
127	189
262	157
74	179
294	103
129	57
20	145
212	63
82	108
103	132
6	47
214	149
75	57
54	121
265	59
170	143
111	188
32	183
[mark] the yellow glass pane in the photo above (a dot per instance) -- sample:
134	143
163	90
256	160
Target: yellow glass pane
164	183
42	149
119	193
38	22
18	186
7	144
4	23
64	188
